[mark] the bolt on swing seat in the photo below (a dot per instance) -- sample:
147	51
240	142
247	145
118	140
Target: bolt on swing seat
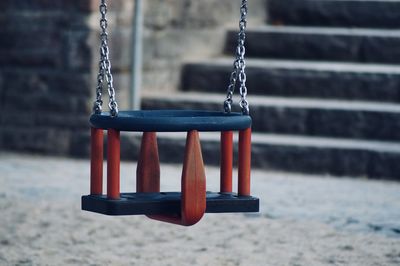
188	206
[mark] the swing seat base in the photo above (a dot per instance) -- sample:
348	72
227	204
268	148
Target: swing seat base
165	203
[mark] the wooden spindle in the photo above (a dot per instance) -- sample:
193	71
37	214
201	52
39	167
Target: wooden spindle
244	162
113	164
96	161
226	161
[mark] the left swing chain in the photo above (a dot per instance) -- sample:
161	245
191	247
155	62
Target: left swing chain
105	67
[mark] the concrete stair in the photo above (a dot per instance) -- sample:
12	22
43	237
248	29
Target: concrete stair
318	43
339	157
299	116
324	99
346	13
309	79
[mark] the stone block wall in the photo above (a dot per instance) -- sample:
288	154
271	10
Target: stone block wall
49	58
46	73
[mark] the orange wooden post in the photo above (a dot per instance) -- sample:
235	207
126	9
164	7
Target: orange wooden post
226	161
96	161
244	162
113	164
148	167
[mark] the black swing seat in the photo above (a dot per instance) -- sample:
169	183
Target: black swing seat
165	203
171	121
168	121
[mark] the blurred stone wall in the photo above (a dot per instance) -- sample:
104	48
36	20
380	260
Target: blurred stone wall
46	74
180	30
49	58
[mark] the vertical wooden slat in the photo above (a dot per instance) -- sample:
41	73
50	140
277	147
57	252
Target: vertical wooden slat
193	202
113	164
148	167
244	162
226	161
96	161
193	181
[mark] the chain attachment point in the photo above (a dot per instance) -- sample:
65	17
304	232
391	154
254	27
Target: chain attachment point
239	66
105	74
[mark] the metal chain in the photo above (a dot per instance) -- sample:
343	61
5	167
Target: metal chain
239	66
105	67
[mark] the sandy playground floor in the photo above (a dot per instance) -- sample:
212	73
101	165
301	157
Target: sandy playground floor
304	220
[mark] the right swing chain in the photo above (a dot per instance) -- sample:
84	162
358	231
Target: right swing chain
239	66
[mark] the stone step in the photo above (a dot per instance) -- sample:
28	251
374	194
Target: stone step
339	157
347	81
315	43
297	116
347	13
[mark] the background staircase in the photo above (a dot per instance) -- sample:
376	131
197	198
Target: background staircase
324	85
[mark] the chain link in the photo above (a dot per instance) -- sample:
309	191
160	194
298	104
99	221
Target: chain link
239	66
105	67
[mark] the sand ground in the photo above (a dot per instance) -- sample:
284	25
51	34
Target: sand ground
304	220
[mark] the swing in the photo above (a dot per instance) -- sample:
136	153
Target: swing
188	206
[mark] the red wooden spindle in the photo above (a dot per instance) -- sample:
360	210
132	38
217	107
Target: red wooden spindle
226	161
96	161
113	164
244	162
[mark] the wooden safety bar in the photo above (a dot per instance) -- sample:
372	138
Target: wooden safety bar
193	183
